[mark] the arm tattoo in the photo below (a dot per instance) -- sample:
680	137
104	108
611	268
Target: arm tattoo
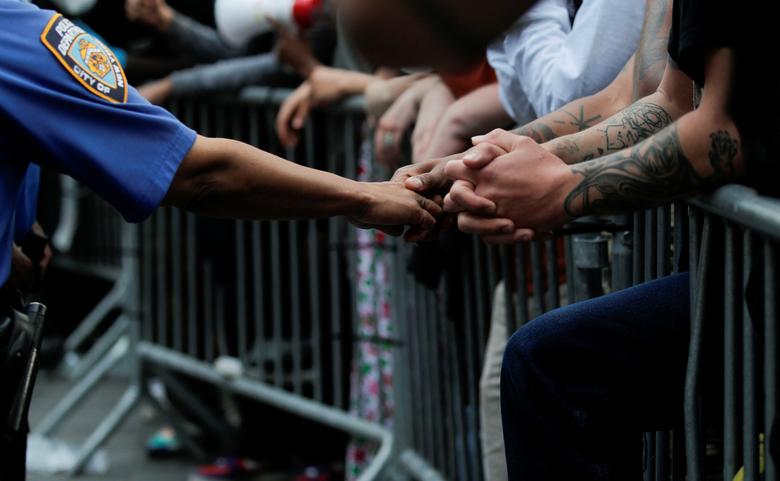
622	131
542	132
579	121
652	173
636	123
652	51
538	131
723	151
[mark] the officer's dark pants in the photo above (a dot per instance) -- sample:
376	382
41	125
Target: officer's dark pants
580	384
13	446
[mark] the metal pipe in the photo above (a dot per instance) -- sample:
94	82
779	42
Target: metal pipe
280	399
693	427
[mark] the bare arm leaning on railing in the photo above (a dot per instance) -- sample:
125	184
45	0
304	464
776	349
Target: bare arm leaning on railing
225	178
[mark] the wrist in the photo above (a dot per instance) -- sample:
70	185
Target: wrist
568	182
359	199
307	67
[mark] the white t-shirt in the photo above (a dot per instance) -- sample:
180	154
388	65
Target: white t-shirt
545	61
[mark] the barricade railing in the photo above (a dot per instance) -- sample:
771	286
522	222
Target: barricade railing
87	239
269	309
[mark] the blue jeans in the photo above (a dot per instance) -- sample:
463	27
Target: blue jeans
580	384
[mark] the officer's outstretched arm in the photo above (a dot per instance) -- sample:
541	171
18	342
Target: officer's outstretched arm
225	178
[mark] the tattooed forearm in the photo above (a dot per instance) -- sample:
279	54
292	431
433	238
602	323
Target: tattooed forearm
561	122
651	54
580	121
652	173
539	131
621	131
633	125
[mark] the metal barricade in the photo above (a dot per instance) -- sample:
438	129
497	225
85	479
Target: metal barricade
734	234
268	310
88	242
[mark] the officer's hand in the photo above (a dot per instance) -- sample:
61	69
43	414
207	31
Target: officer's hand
23	272
155	13
390	206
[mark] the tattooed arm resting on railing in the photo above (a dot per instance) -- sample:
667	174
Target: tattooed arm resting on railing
530	190
644	118
640	77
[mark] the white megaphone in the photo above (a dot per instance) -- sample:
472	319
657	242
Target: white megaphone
238	21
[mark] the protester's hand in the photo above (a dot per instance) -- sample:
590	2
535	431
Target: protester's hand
292	50
23	272
293	114
428	179
158	91
381	93
429	176
390	206
391	128
503	139
433	107
155	13
513	197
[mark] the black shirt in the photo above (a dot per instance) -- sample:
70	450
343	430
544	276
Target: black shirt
749	27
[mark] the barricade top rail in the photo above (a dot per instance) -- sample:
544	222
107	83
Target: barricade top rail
745	207
259	95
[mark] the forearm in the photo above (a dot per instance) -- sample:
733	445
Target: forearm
195	38
224	178
230	74
691	156
583	113
625	129
433	108
352	83
478	112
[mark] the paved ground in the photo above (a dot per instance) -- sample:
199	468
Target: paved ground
127	461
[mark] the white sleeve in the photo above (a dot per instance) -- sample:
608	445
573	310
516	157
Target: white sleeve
556	63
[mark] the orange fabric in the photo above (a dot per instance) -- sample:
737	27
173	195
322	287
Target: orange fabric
462	83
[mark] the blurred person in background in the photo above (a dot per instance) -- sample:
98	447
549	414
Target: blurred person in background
226	67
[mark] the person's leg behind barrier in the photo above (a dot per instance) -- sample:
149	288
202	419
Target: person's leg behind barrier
579	384
492	436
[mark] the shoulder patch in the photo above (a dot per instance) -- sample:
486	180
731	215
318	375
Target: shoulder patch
86	58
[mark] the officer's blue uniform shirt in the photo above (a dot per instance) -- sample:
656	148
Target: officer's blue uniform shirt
27	202
65	105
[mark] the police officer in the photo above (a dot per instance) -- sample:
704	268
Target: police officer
65	105
17	334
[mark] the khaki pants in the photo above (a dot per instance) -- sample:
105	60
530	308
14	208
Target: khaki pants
492	434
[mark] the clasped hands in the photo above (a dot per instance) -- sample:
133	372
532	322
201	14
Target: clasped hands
507	188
